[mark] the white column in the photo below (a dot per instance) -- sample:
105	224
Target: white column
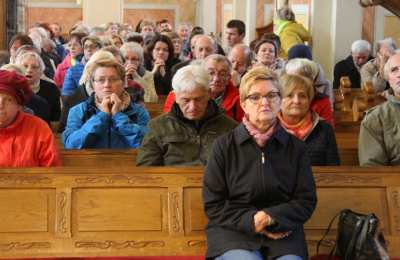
96	12
335	25
206	15
245	10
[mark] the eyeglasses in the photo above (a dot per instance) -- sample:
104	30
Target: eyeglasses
220	74
90	46
104	80
271	97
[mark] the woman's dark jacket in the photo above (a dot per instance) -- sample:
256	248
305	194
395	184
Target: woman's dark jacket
40	107
163	84
241	179
321	145
51	94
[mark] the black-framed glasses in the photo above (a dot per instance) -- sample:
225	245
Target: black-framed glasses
271	97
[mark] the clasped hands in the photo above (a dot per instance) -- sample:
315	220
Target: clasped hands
261	221
111	104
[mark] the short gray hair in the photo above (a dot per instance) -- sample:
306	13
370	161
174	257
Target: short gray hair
134	47
361	46
389	42
247	51
189	78
286	13
303	67
20	58
218	58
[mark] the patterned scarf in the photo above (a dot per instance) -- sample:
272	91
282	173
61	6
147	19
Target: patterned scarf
302	129
260	138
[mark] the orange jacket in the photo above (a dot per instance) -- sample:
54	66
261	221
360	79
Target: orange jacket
28	142
230	104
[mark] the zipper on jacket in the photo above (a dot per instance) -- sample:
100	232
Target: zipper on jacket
262	158
109	132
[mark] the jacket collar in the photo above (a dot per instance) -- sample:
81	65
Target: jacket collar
243	135
212	111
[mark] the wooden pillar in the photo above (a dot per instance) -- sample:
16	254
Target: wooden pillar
368	25
3	25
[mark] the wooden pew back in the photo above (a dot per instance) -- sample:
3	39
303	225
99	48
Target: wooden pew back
121	211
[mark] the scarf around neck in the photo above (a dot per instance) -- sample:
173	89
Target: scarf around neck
260	138
302	129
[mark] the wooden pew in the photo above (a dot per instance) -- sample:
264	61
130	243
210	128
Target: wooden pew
121	211
98	157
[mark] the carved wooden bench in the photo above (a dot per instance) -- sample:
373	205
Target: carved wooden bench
128	211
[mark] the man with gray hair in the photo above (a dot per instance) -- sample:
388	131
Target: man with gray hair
350	67
184	135
204	45
240	57
379	139
372	71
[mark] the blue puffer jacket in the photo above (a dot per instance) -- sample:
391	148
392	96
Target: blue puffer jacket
71	80
88	127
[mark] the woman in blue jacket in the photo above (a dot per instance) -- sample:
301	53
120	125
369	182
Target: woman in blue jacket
108	118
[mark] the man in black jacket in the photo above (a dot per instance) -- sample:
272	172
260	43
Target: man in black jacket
350	67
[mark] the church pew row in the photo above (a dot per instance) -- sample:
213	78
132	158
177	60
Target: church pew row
129	211
127	157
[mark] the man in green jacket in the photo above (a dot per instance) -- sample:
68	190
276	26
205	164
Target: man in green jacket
185	135
379	140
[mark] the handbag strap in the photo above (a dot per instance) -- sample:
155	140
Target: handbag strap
362	238
326	233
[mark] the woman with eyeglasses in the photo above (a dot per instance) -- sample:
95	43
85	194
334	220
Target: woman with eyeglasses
108	118
258	188
300	120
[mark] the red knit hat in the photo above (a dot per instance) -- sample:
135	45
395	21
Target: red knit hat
16	86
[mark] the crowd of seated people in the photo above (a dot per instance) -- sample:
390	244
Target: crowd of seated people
238	110
60	71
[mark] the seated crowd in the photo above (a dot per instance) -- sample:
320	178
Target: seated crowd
98	83
256	117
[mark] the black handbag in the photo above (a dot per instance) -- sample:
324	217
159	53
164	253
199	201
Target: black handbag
358	237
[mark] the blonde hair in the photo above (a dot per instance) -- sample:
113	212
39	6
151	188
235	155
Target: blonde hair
289	82
88	70
254	75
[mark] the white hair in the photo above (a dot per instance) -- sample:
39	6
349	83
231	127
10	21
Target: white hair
30	54
190	78
361	46
388	42
304	67
134	47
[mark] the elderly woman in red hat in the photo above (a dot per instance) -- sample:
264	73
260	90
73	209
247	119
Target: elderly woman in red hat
25	140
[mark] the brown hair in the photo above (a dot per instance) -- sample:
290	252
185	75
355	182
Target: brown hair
291	81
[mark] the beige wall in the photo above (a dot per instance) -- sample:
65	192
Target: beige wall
187	8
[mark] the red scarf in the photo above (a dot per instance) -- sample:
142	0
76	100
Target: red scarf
260	138
302	129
